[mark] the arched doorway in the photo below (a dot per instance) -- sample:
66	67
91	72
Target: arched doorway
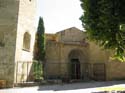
75	69
75	59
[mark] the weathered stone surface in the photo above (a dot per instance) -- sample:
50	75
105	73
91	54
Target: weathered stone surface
16	18
70	44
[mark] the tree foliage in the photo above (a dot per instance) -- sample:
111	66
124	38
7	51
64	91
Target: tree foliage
102	20
40	41
38	70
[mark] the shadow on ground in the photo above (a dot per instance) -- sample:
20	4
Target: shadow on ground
75	86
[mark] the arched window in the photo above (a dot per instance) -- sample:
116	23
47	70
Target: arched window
26	41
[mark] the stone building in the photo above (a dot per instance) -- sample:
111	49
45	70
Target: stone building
17	35
69	55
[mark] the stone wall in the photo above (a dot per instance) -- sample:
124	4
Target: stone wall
16	18
115	70
70	35
98	54
26	25
8	27
24	72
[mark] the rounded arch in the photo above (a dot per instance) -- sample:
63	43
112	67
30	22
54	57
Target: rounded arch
76	67
26	41
75	59
77	54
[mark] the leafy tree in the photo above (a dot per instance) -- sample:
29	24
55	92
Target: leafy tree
40	42
102	20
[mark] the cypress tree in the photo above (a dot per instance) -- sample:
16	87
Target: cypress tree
40	41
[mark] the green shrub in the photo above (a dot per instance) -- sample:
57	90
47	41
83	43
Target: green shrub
38	70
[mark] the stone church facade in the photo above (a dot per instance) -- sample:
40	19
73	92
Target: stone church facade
17	36
69	55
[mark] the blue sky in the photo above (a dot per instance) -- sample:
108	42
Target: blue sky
59	14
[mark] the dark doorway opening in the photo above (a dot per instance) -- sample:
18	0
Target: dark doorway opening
75	69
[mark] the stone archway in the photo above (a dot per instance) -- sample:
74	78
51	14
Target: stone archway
75	59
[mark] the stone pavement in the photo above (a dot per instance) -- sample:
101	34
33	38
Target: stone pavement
86	87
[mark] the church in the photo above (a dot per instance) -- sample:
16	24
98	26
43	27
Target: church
69	54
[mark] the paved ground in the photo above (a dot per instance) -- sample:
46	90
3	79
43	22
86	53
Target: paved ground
90	87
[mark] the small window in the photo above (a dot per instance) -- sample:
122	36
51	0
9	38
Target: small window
2	39
26	41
